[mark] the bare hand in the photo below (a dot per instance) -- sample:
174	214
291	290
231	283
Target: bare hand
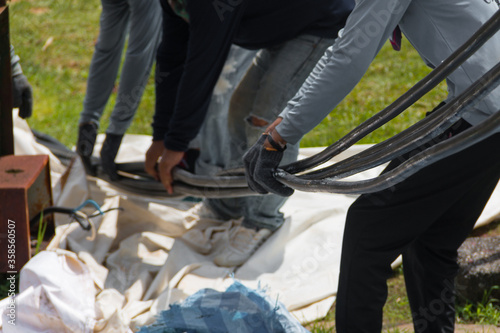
169	159
152	155
274	134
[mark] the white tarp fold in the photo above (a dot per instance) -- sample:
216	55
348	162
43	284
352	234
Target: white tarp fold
136	260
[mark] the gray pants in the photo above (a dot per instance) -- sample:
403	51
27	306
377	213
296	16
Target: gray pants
272	79
140	20
213	138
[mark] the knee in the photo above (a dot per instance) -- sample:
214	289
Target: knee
440	261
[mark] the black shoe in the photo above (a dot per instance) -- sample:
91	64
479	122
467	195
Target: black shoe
87	134
109	150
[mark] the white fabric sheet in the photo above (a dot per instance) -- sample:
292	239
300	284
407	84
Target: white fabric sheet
136	262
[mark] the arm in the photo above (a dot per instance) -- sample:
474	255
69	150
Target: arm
342	67
189	61
14	62
339	70
22	92
170	58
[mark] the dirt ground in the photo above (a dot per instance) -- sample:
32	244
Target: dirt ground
458	328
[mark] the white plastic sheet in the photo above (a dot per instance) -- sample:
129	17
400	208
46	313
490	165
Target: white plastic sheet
57	294
136	262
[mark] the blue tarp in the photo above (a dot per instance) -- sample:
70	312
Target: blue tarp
237	310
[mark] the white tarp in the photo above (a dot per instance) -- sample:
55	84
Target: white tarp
135	261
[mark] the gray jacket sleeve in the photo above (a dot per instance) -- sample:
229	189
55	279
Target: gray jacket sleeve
14	62
342	66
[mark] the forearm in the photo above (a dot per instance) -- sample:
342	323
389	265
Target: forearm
167	80
341	68
170	60
15	63
208	40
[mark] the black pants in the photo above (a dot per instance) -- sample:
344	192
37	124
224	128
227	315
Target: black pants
425	218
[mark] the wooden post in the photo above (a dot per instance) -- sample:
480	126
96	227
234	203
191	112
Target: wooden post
25	187
6	130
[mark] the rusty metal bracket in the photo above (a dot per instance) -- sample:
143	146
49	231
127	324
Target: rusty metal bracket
25	190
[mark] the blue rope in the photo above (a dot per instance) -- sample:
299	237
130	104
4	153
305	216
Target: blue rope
91	202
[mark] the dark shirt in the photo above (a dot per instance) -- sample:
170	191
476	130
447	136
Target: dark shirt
191	55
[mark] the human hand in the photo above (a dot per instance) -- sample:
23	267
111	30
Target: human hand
22	94
152	155
169	159
260	161
270	129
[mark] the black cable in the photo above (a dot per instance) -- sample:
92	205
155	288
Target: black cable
186	177
422	87
230	185
75	214
441	150
61	210
425	130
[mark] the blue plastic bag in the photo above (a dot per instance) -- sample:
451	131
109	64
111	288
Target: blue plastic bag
237	310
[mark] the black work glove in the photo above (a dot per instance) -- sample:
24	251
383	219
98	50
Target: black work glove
22	95
260	164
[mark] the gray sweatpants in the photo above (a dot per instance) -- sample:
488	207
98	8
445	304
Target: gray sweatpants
140	20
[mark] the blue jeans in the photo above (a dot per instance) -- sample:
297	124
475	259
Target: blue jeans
140	20
273	78
213	138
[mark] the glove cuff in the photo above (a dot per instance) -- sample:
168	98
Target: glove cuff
275	145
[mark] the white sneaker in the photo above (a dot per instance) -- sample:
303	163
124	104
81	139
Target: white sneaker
242	244
197	240
200	211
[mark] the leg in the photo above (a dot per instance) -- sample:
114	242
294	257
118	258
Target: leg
430	261
273	78
213	137
144	37
105	60
411	218
102	75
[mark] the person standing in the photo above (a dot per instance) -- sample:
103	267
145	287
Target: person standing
425	217
291	36
140	21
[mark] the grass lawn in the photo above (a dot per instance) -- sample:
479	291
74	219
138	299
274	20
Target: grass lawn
55	40
397	313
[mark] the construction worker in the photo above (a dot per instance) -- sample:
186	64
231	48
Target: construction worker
425	217
197	35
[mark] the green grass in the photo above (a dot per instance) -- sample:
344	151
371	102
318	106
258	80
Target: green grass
396	310
42	228
390	75
59	71
487	311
